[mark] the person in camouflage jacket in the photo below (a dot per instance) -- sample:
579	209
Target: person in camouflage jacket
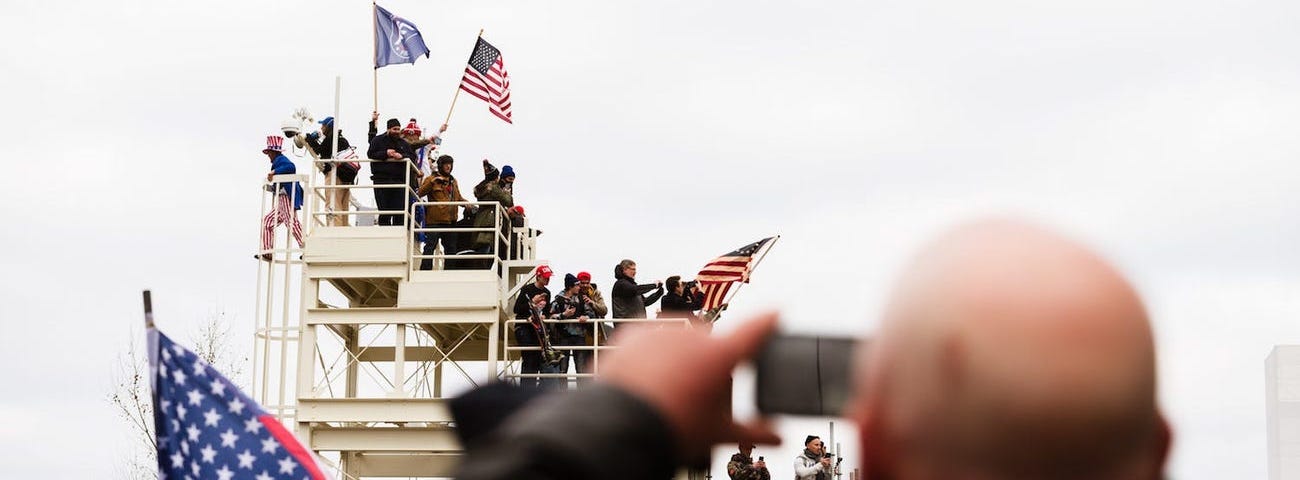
743	467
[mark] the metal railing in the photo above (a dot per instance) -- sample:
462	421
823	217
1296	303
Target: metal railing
498	250
326	190
599	343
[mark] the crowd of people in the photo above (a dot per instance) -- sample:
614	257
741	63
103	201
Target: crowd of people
406	167
1006	351
404	160
578	307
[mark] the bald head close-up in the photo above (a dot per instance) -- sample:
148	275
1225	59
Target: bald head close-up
1010	352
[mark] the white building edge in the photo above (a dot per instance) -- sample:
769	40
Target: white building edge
1282	395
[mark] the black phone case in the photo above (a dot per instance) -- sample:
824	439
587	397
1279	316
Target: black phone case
804	375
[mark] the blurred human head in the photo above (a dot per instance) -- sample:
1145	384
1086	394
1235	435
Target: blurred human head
1007	351
674	284
815	444
628	267
445	164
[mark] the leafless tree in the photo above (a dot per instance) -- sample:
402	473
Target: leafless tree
134	401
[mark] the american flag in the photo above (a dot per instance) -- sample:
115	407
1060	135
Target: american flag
207	428
486	78
719	274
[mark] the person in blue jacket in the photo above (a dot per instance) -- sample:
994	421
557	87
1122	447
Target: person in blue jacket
288	198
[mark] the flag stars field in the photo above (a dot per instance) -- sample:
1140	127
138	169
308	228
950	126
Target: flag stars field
188	448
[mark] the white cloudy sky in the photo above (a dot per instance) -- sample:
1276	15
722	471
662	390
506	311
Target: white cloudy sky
1162	132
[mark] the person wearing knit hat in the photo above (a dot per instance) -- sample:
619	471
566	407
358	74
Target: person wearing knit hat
391	169
569	305
288	198
441	186
508	179
489	190
592	292
813	464
323	144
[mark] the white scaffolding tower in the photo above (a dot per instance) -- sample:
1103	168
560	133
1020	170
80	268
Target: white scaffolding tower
358	349
354	345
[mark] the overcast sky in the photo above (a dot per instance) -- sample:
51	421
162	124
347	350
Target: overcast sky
1162	132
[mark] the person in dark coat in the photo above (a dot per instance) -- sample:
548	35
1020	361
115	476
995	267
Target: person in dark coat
392	153
490	190
525	335
323	144
681	302
629	299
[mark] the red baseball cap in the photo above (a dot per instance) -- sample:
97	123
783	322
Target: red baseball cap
584	277
544	271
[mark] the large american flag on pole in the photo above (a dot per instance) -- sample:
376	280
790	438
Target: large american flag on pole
207	428
486	78
718	275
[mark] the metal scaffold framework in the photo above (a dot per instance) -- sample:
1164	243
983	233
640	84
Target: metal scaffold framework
356	347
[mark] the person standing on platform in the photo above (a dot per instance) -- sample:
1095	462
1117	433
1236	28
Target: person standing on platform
441	186
570	305
679	302
288	197
392	153
323	144
629	298
490	190
525	334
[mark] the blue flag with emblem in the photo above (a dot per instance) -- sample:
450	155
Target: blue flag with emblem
396	39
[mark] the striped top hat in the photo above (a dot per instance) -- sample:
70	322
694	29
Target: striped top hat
274	143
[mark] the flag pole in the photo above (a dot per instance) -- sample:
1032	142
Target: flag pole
148	309
374	49
732	293
457	94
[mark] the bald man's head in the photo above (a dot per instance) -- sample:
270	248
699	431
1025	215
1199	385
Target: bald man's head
1010	352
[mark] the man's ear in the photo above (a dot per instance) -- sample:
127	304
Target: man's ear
1160	446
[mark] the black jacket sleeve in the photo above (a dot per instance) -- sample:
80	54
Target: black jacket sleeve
378	149
623	437
522	310
654	297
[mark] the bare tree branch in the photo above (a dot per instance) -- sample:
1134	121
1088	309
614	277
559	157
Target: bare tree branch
134	401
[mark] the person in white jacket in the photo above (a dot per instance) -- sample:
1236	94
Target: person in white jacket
813	464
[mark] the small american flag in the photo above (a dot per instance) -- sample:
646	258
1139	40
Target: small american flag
719	274
486	78
207	428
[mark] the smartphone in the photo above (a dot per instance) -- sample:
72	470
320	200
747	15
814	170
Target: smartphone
804	375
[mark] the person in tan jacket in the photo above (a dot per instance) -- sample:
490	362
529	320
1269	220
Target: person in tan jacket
440	187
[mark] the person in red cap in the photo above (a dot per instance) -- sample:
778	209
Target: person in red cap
525	335
590	295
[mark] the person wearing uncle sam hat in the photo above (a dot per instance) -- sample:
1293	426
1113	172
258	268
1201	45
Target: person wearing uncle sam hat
288	197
